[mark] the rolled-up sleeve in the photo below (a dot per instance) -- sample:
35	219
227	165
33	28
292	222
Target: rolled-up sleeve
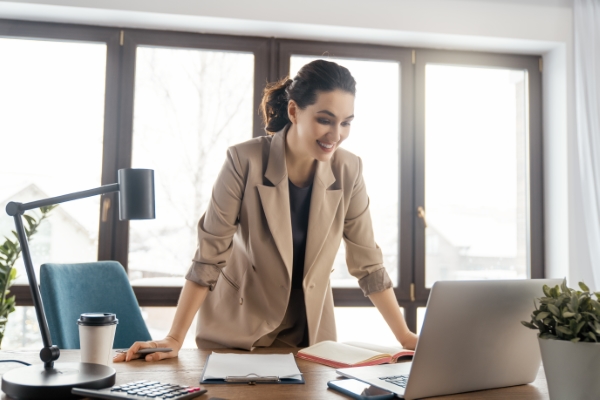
218	224
363	255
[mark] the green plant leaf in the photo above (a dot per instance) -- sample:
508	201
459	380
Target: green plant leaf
584	287
11	245
541	315
553	309
529	325
564	330
30	221
578	327
590	335
47	209
589	315
546	290
564	287
595	306
548	336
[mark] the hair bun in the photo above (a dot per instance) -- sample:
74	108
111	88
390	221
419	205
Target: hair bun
274	105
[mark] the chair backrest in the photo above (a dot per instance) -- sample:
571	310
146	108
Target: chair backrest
68	290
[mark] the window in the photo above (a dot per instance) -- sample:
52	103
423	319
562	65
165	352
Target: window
448	139
190	105
475	173
375	138
52	114
478	168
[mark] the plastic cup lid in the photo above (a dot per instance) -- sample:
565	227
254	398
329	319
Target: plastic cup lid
97	319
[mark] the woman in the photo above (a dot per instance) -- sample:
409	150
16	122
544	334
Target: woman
278	212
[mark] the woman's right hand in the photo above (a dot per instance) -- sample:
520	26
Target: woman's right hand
166	342
191	298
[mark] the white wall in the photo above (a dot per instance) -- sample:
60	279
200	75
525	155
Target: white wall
540	27
432	23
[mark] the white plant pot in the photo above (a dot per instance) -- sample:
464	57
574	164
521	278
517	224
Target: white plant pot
572	369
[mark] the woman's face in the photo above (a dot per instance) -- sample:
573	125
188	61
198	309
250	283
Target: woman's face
322	127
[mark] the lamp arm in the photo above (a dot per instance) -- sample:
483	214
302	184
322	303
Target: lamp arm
14	208
49	353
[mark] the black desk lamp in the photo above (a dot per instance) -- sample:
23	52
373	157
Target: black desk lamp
50	381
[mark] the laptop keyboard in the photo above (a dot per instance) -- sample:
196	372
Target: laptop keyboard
398	380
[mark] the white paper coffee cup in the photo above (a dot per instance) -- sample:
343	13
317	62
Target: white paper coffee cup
96	337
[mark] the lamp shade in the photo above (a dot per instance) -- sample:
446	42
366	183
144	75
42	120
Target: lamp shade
136	194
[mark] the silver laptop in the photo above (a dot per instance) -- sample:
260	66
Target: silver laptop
471	339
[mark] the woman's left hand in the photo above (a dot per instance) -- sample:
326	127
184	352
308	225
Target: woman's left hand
409	340
386	303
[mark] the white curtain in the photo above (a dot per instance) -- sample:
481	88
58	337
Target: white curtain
586	23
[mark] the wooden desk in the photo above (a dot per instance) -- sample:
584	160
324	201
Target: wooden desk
187	368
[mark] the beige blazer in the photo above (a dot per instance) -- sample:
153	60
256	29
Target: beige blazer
245	244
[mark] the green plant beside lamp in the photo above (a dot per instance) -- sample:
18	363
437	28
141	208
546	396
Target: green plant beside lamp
569	324
9	254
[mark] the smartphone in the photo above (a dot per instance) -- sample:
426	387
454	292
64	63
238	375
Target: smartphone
360	390
149	351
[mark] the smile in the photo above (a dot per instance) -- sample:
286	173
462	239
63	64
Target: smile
325	146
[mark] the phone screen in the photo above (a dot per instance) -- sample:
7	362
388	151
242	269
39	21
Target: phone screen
360	388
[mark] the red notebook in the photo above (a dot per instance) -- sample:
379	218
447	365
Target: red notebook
352	354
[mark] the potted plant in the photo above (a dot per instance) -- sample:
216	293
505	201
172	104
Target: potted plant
9	253
568	321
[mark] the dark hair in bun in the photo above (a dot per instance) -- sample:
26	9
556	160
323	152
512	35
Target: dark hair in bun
314	77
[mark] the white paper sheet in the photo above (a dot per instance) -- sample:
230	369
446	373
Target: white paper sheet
221	365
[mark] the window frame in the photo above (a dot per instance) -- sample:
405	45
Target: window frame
535	206
91	34
131	39
272	61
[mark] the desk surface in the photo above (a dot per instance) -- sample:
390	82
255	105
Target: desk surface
187	368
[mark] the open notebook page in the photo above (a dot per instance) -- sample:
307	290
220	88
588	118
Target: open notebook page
341	352
220	366
391	350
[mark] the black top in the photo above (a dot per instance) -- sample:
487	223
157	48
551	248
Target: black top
299	209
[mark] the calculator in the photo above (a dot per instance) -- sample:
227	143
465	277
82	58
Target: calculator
143	390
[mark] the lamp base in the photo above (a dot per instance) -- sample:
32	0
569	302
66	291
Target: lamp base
36	382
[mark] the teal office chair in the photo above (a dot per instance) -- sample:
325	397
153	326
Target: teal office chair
68	290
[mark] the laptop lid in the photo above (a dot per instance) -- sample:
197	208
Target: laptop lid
471	339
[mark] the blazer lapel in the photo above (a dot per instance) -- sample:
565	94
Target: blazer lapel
276	200
323	208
